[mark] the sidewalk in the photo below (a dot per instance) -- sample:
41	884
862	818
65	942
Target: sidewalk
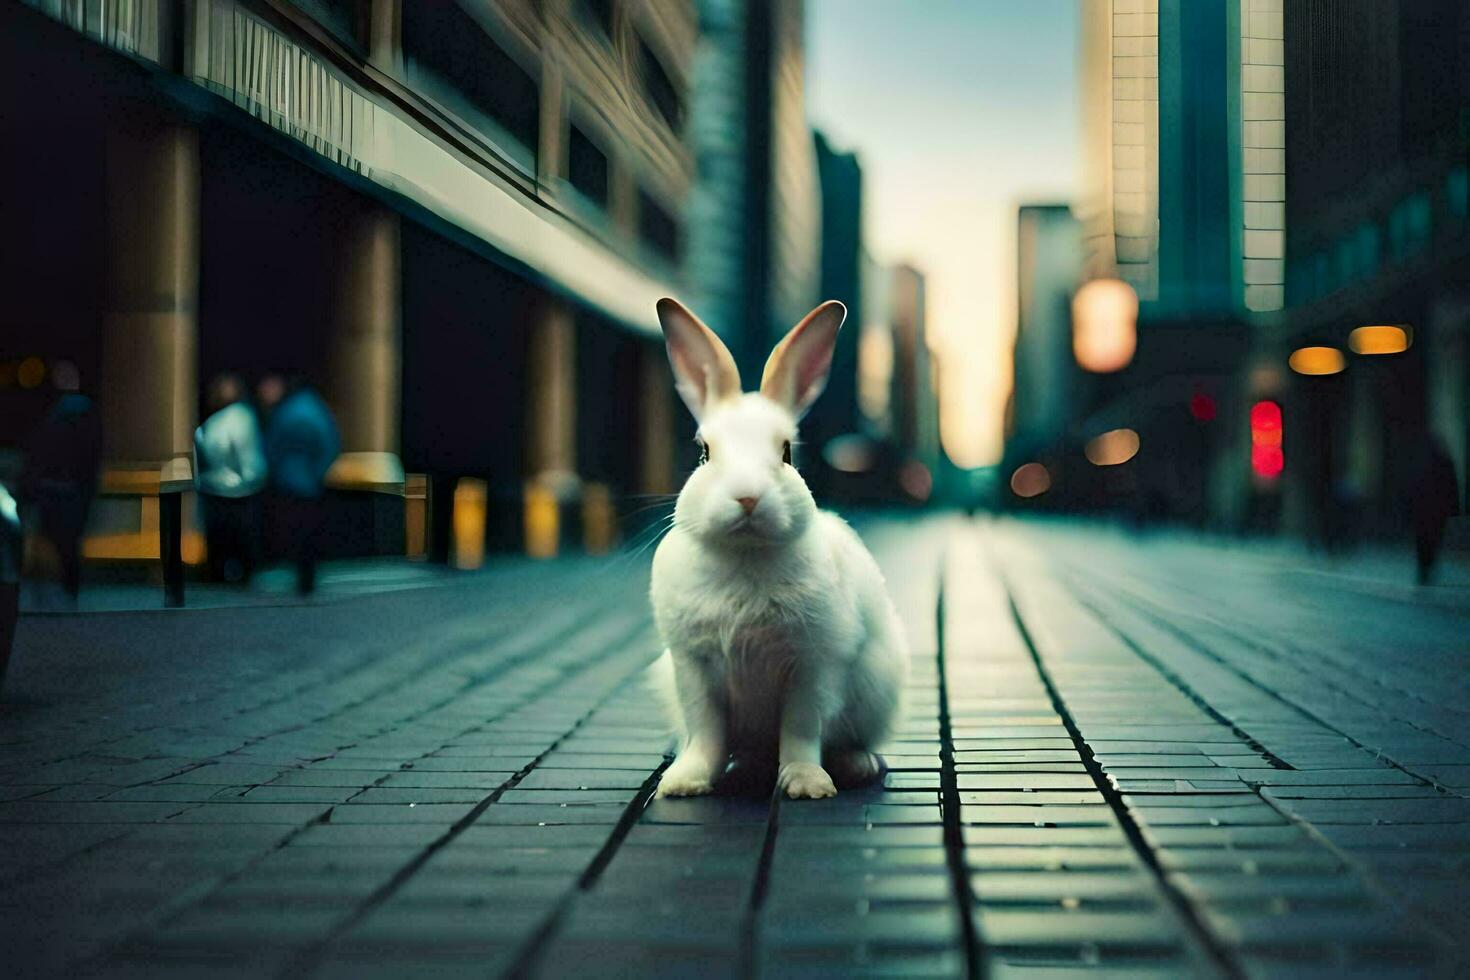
1108	768
273	586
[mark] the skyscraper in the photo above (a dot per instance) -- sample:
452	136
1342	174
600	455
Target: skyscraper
754	215
1184	142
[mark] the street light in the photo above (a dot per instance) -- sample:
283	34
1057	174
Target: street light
1104	325
1112	448
1316	361
1267	458
1030	480
1386	339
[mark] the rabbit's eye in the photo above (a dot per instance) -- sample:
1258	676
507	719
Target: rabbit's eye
786	453
703	452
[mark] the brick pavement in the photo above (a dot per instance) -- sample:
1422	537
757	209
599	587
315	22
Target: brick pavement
1114	774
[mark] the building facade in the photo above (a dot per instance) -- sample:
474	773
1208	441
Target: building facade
1304	176
1184	152
1184	201
453	218
1377	140
836	413
1047	382
914	398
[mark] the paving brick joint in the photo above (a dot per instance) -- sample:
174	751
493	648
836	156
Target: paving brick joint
1115	761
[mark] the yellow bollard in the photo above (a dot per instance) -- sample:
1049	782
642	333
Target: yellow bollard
599	520
543	521
469	523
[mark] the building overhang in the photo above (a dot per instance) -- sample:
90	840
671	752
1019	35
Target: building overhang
369	135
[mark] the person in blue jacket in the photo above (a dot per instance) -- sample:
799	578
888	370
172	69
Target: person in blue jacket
301	443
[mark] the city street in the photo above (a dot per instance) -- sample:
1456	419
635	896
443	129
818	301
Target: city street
1122	755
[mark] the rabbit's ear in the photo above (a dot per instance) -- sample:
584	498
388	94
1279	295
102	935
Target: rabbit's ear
704	372
796	371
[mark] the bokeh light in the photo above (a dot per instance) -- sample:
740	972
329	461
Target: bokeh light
1202	407
32	372
1266	423
1104	325
1379	340
1030	480
916	480
1267	457
1316	361
1267	461
851	453
1112	448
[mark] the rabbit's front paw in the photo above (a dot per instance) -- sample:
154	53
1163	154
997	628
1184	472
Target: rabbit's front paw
806	781
685	780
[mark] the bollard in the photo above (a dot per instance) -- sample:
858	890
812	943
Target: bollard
599	519
543	521
469	523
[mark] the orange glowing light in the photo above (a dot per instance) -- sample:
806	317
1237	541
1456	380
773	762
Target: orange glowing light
1030	480
1379	340
32	372
1104	325
1316	361
1112	448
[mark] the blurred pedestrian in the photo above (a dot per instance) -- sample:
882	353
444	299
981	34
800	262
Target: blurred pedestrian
230	472
62	459
10	546
1434	499
301	443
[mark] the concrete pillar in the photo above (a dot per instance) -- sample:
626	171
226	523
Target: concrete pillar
552	392
148	390
656	415
365	381
552	487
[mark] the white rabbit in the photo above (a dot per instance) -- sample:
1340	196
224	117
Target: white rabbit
782	643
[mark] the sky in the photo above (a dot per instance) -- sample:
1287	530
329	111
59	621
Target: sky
959	111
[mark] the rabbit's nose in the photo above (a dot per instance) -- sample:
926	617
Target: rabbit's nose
747	504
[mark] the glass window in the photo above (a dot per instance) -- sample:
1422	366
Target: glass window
1421	218
1398	234
661	90
657	227
587	167
1457	192
1346	263
443	39
1322	274
346	20
1368	248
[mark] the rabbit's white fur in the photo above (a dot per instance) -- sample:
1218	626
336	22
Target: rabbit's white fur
782	642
